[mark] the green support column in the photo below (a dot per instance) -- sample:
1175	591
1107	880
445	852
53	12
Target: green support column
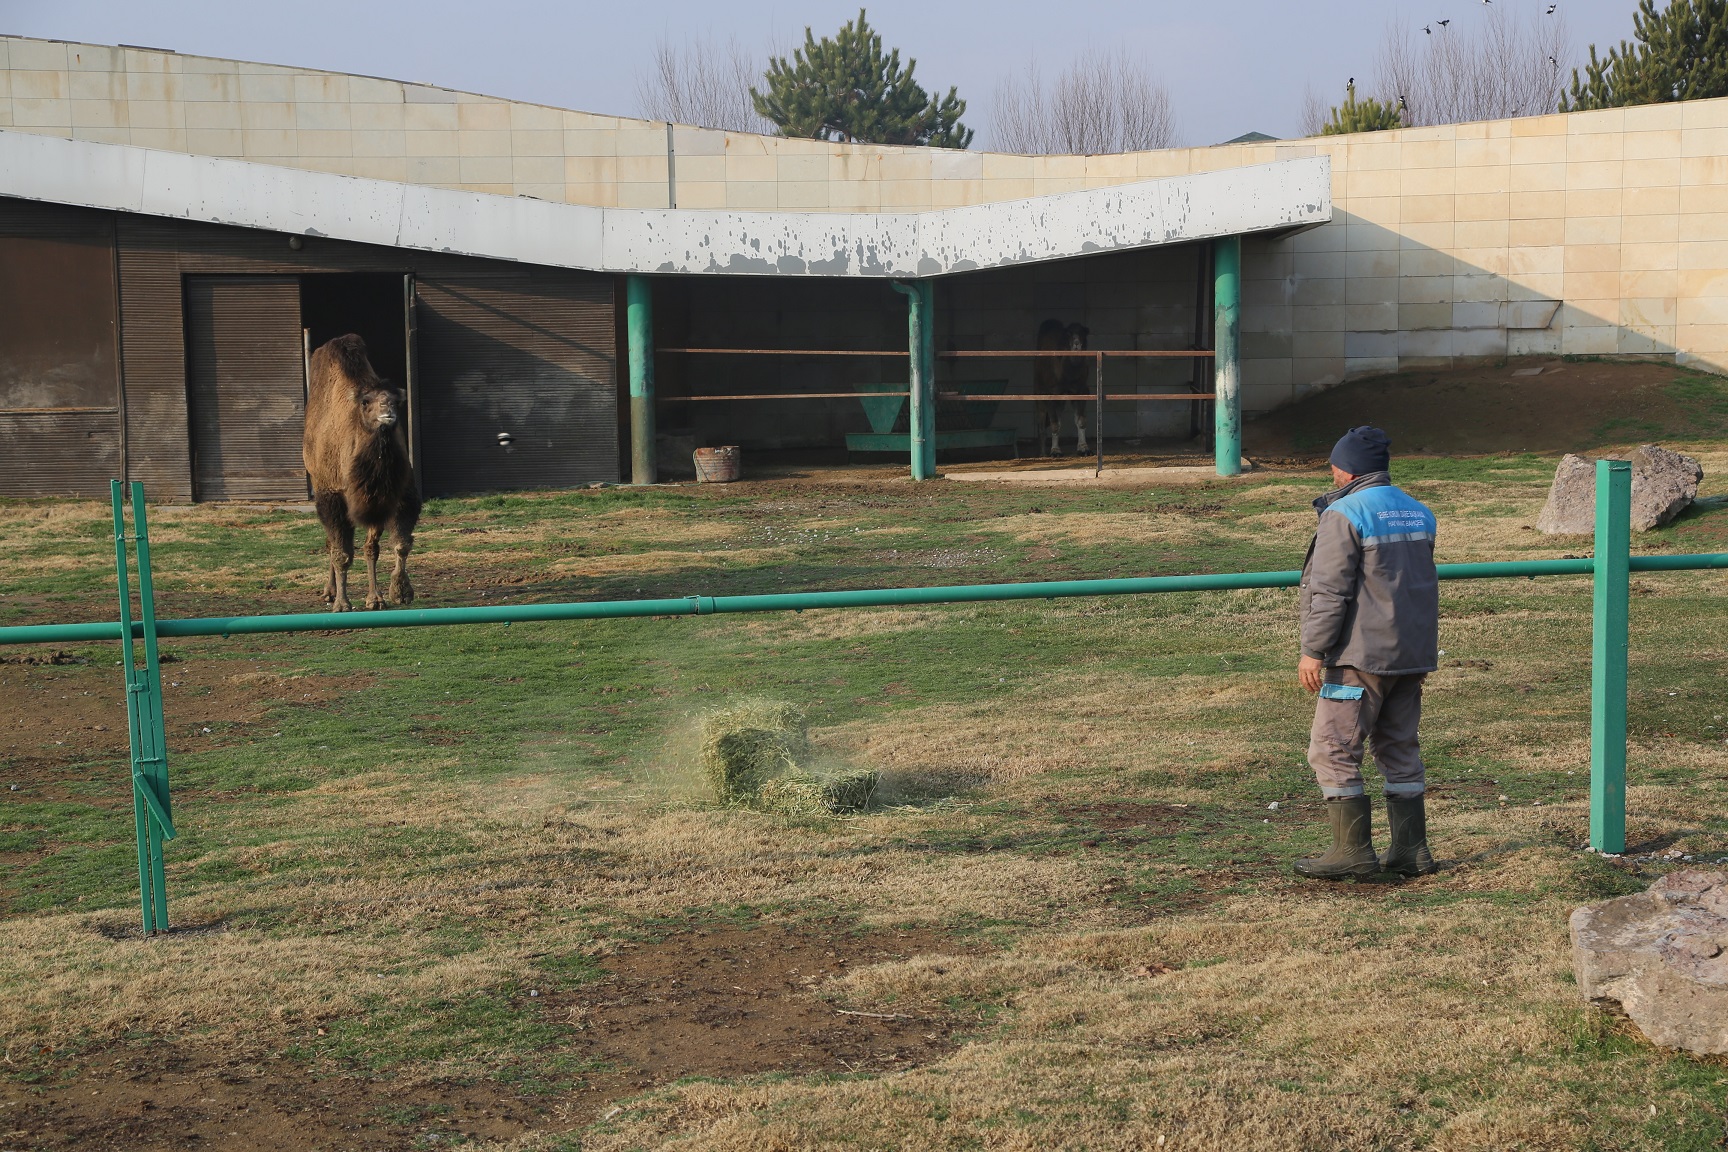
1227	363
921	345
639	322
1608	656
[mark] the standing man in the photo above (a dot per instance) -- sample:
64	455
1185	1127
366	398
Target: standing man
1370	612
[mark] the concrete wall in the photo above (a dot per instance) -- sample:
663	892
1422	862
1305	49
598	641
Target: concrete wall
1594	233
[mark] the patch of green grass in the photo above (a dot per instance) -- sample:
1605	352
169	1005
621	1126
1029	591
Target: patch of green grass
501	1033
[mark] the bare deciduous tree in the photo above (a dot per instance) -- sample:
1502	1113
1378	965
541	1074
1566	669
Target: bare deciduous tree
1104	102
1500	67
1315	112
705	83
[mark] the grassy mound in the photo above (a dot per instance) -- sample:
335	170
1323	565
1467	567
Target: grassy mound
756	754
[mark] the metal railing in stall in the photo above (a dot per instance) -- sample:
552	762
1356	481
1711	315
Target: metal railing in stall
1097	394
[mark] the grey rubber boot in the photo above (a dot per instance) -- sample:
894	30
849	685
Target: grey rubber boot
1351	856
1409	855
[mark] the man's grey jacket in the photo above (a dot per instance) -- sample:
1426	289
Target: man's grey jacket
1370	596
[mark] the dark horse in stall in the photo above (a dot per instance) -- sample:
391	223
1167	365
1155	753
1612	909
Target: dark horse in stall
1064	380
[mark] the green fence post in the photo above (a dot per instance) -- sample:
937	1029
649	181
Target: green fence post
1226	358
146	731
1608	656
639	328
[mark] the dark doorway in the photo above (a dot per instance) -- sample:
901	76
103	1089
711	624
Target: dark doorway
368	304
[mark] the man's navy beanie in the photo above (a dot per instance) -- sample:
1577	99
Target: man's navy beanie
1363	450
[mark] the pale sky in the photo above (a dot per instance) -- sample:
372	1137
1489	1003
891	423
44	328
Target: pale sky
1231	65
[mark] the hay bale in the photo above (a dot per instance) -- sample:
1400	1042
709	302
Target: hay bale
755	754
812	794
750	743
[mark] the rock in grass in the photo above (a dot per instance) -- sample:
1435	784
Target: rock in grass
1661	957
750	743
1663	484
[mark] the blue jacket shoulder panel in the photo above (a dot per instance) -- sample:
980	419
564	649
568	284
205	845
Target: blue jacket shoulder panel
1386	515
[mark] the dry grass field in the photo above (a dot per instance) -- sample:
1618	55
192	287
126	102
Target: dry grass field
461	887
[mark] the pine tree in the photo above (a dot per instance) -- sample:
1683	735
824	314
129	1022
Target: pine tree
1355	115
1680	54
844	88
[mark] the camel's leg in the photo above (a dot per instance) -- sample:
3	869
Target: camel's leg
1080	423
402	528
373	600
339	538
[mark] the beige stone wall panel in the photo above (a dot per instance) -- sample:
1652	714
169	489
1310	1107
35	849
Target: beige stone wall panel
1651	256
323	117
483	118
424	117
378	117
265	144
228	142
33	113
266	115
36	85
752	194
36	56
86	58
417	143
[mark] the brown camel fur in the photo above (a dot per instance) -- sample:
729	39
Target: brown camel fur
356	452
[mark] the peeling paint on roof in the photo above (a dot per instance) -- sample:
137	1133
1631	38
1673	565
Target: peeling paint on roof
1283	195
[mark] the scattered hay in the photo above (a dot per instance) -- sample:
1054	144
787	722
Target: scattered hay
756	754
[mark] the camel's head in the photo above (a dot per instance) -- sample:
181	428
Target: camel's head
380	408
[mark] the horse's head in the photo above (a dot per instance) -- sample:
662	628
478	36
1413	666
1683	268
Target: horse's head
1077	334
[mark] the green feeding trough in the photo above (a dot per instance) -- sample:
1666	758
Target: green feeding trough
960	423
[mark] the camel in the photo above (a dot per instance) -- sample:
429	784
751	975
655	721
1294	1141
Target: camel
356	452
1062	378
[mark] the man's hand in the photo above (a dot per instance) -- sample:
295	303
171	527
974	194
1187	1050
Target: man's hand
1311	672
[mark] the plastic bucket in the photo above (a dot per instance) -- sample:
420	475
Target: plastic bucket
718	465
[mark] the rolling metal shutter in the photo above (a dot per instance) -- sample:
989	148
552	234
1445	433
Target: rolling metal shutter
245	387
60	431
517	381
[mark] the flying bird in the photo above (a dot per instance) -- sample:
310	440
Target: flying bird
1443	23
1427	31
1551	8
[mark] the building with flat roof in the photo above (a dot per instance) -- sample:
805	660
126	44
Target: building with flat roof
201	220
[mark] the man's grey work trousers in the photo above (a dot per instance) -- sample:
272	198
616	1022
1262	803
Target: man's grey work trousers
1385	711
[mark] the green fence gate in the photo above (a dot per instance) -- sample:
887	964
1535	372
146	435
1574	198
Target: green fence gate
1611	567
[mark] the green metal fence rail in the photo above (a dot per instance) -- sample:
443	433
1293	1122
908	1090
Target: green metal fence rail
1611	567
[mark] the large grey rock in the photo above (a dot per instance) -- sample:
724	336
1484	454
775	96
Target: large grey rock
1663	484
1661	957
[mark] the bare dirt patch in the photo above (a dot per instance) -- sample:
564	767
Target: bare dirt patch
1122	815
176	1095
722	1002
57	711
732	1002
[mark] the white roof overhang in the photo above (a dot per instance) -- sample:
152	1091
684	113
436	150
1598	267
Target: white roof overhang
1287	195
